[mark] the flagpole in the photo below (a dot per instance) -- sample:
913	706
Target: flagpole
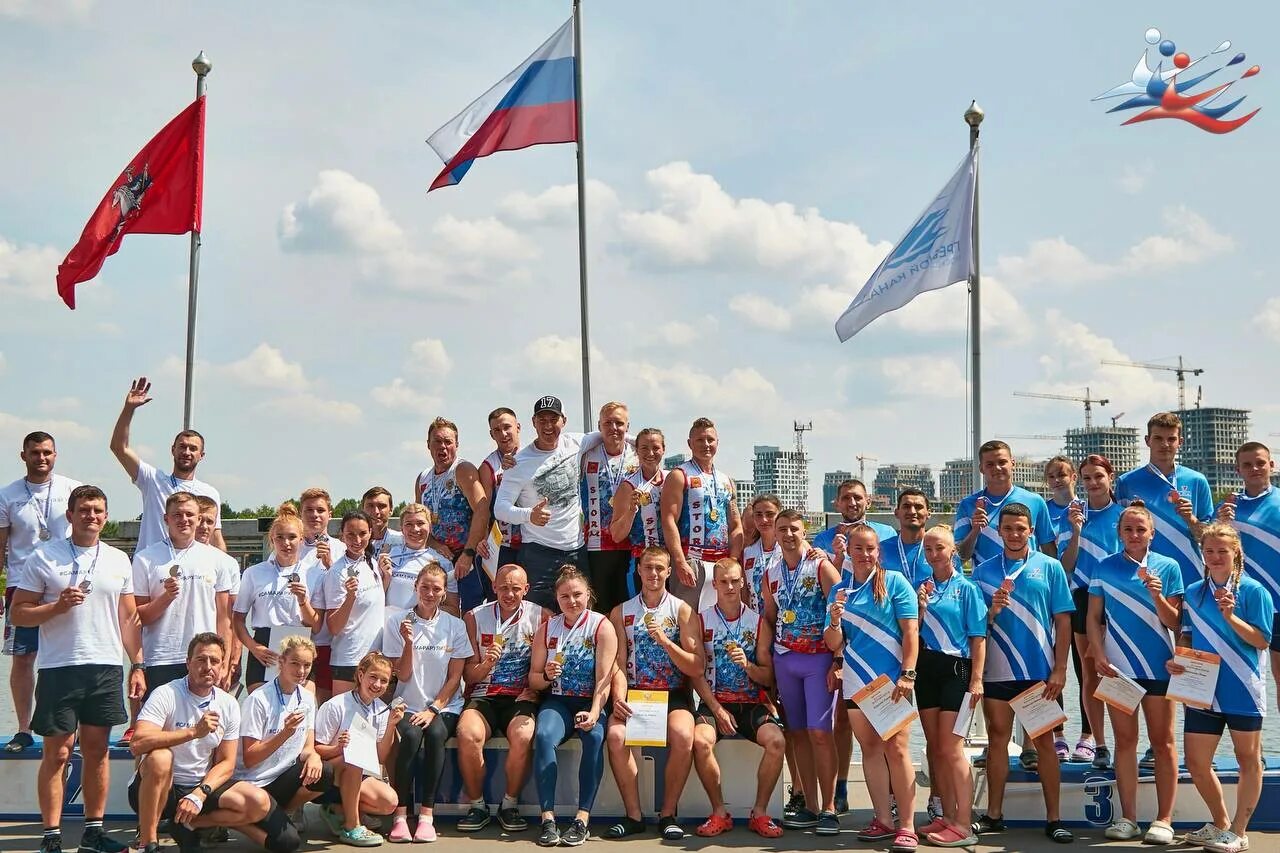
202	66
582	220
973	117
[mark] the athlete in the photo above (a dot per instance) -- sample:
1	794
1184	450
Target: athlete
155	487
377	504
1061	478
851	502
504	429
903	551
400	565
603	470
33	509
1028	610
637	516
975	539
1228	614
501	700
79	592
318	551
206	520
1135	601
353	600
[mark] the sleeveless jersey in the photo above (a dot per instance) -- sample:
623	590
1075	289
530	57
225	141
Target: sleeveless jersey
649	667
728	681
450	511
510	532
575	649
601	476
755	565
646	529
704	518
510	676
798	591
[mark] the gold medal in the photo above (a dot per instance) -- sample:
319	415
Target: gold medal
730	645
713	514
788	616
560	658
499	641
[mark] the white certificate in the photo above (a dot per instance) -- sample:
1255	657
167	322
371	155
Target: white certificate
647	725
886	716
494	540
964	717
1120	691
1036	714
1196	685
278	633
362	747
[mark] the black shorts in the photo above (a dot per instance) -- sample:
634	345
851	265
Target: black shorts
176	793
285	787
749	717
254	671
1079	616
1275	633
1006	691
162	674
608	572
499	711
1198	722
941	680
344	673
1154	686
677	700
68	697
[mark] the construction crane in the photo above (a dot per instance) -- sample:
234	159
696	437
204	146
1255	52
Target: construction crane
863	459
1086	399
1181	370
800	430
1116	418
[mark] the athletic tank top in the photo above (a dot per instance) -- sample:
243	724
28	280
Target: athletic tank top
646	529
510	532
450	511
510	676
704	518
728	681
755	565
601	476
575	649
649	667
798	592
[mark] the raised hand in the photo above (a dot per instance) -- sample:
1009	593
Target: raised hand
139	393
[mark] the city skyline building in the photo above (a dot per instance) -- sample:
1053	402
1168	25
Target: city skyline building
893	477
784	473
831	486
1210	438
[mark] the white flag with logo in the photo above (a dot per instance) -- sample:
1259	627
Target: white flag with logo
937	251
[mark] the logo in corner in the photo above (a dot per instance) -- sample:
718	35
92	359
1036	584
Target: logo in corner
128	196
920	240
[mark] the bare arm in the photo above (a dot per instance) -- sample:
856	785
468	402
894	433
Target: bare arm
28	612
606	648
478	666
139	395
624	512
761	672
618	682
538	660
148	737
687	654
736	536
453	677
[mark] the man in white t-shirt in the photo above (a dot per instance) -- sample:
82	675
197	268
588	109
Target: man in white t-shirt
33	509
182	588
155	487
79	592
185	742
377	504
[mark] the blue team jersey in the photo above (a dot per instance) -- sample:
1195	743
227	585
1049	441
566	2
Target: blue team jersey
906	560
953	613
1023	634
1258	520
1136	641
872	634
824	539
1241	683
1058	517
1173	536
988	544
1099	539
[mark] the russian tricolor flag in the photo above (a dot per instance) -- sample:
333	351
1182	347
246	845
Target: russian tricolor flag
533	105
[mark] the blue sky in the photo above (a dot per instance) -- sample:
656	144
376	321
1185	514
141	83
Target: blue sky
751	163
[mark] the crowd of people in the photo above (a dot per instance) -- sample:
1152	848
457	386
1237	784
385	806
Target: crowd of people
365	653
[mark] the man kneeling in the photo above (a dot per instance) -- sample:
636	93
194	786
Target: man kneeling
736	642
186	741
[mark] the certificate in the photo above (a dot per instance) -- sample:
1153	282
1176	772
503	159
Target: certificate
494	541
964	717
1036	714
886	716
1120	691
1195	686
647	725
278	633
362	747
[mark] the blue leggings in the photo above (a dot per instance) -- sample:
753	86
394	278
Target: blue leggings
554	727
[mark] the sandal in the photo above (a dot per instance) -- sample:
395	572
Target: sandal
714	825
625	828
952	836
905	841
876	831
1029	760
1084	751
763	825
1058	833
936	825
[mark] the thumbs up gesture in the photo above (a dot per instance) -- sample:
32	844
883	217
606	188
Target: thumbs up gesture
540	515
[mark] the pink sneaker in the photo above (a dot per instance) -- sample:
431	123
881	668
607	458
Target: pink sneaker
426	831
400	831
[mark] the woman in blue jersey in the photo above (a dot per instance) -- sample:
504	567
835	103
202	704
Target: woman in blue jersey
1061	478
953	650
573	658
1089	537
1137	593
1227	614
873	621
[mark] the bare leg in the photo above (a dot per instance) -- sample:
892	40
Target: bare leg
95	776
1094	709
1248	748
472	733
708	768
1125	729
902	778
156	777
844	744
22	684
1158	712
874	768
519	753
939	771
239	805
53	762
349	780
679	759
804	770
622	761
824	766
1199	749
774	744
999	718
1050	776
955	766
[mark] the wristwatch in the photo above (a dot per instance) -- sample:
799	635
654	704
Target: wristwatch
136	667
909	674
470	552
205	789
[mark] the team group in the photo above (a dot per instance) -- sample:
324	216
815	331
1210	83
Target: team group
363	655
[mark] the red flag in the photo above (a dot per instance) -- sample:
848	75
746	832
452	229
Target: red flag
159	192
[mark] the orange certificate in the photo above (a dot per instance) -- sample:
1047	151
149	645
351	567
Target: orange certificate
1198	681
886	716
1036	714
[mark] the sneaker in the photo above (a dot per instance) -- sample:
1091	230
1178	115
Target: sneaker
1203	835
361	836
763	826
426	830
152	847
298	817
841	803
802	819
981	759
1030	760
1228	842
1158	833
1085	751
188	839
400	830
220	835
893	808
577	833
1061	748
828	824
795	802
332	821
1122	829
1148	758
876	831
934	809
625	828
51	844
669	829
1101	757
97	841
550	836
986	824
19	742
511	820
474	820
714	825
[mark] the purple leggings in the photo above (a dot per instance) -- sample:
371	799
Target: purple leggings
802	689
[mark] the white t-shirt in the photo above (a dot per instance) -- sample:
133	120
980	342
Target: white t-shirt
390	540
435	643
551	474
26	509
88	633
262	715
405	565
205	574
156	487
334	716
173	706
264	595
364	625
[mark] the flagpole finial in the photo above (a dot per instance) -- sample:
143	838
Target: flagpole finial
201	64
974	115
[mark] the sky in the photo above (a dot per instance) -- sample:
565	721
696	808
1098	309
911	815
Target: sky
749	165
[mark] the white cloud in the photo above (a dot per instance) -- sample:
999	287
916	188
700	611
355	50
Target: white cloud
558	205
429	357
266	367
924	376
400	395
47	11
14	427
1074	363
1270	317
340	214
553	356
1133	179
677	334
1054	259
59	404
305	407
761	312
29	271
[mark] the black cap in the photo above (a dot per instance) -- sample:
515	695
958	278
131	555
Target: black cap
548	404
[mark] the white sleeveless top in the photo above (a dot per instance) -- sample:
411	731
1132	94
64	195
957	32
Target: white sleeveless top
510	532
755	565
649	667
575	650
728	681
646	530
510	676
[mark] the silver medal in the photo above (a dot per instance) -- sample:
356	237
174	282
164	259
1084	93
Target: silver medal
294	578
322	537
353	571
86	587
44	534
175	571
